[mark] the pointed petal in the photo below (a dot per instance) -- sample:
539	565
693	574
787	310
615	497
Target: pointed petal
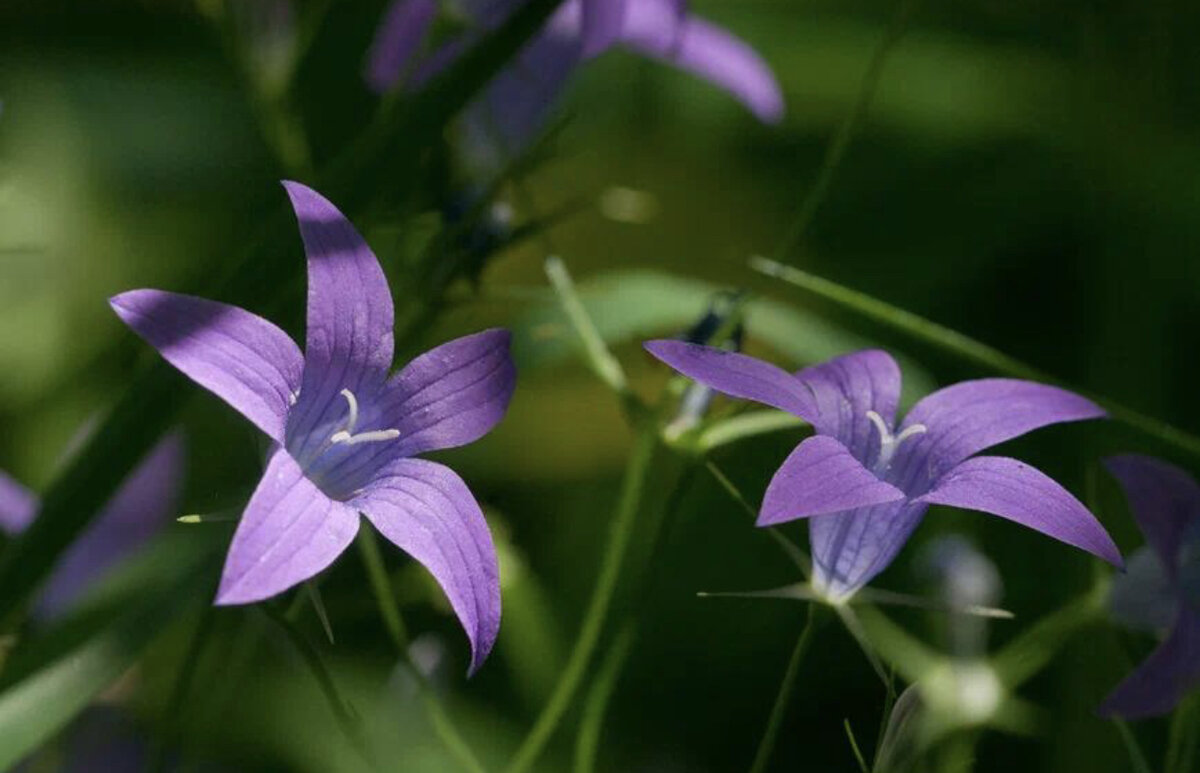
18	505
737	375
849	549
845	388
238	356
1164	499
602	22
655	29
427	511
1022	494
1164	678
349	303
349	341
397	41
1143	597
289	532
143	504
819	477
970	416
453	394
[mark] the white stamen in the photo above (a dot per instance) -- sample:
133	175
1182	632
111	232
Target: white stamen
374	436
888	443
352	420
346	436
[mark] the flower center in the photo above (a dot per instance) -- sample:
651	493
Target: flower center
346	436
888	443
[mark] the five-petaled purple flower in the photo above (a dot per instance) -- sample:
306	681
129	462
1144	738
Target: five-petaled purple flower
864	481
515	106
1161	591
345	434
140	507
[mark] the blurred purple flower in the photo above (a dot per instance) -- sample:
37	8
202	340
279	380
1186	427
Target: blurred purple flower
345	434
140	507
518	102
1161	591
865	481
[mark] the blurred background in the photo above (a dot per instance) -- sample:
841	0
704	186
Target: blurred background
1028	173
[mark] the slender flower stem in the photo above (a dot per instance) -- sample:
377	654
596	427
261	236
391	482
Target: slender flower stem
347	720
784	697
587	743
179	692
636	473
1184	737
442	724
845	132
1137	758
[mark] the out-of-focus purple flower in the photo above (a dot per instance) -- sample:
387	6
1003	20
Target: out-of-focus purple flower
515	106
1161	591
141	506
864	481
346	435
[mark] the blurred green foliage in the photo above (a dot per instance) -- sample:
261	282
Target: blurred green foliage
1029	174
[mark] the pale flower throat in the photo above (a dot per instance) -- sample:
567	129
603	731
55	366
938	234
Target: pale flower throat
888	443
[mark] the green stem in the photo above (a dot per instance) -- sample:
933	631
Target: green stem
845	132
1184	736
636	473
587	743
179	692
348	722
390	612
1137	758
598	357
784	697
962	347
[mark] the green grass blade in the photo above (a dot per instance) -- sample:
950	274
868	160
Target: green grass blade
961	346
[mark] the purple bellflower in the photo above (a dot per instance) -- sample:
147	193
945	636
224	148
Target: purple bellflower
141	506
864	481
1161	590
518	102
345	434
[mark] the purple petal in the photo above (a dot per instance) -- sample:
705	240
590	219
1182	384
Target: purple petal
653	28
1164	499
1015	491
850	549
845	389
602	23
142	505
821	476
349	343
397	41
18	505
453	394
289	532
517	104
970	416
427	511
1164	678
737	375
238	356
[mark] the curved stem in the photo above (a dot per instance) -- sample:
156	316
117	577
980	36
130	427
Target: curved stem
381	588
767	745
845	132
636	472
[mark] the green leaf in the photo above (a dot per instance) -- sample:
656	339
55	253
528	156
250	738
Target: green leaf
53	678
635	304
